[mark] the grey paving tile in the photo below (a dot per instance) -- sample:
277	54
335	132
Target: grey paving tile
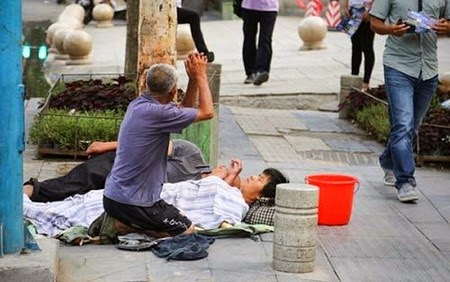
434	185
372	225
345	144
437	233
161	270
423	211
303	143
101	263
379	247
261	112
287	123
274	149
256	125
388	269
350	158
266	237
235	253
319	122
232	140
373	146
243	275
317	275
442	204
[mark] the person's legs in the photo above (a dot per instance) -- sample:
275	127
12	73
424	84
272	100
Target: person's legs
264	52
400	93
423	94
87	176
356	39
250	29
369	54
159	220
192	18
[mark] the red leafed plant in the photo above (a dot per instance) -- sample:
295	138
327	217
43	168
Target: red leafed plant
95	95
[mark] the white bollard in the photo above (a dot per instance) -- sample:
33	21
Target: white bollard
295	233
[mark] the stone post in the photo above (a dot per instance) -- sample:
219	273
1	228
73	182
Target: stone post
295	233
312	30
347	82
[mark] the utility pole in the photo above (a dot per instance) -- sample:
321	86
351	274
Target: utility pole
11	127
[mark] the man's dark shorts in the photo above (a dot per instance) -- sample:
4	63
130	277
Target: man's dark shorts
161	217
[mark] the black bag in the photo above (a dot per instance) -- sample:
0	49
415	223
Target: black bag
237	9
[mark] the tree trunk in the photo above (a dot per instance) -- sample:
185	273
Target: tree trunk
151	37
132	39
156	36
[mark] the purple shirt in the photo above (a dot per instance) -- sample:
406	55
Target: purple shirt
139	168
261	5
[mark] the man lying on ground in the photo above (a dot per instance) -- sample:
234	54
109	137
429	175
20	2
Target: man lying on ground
220	197
184	162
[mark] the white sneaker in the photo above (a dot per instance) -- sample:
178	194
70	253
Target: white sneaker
407	193
389	176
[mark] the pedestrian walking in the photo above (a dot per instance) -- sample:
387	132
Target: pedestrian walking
257	55
411	78
362	39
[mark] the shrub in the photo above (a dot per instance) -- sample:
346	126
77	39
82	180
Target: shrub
94	95
374	120
435	140
372	116
74	131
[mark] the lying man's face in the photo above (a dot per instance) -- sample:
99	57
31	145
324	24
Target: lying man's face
252	186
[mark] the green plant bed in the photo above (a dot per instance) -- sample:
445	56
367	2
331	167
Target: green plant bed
77	112
64	131
433	142
375	121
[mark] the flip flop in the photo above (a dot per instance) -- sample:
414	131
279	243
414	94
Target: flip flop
136	242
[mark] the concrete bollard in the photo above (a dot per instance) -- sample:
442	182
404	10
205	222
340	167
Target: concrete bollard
347	82
295	233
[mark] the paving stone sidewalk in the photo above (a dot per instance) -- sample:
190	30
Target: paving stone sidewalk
384	241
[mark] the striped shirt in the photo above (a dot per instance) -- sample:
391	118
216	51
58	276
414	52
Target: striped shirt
207	203
53	217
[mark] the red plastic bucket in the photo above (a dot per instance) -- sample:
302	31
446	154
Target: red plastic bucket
336	193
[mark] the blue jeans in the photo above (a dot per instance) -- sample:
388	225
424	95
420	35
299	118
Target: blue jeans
408	101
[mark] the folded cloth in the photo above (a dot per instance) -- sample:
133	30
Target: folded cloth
75	235
183	247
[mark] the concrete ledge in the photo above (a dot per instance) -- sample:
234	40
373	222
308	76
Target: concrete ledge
34	266
298	101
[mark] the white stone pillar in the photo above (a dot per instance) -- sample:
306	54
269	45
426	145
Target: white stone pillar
295	234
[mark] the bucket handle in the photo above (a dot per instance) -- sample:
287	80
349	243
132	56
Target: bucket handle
356	190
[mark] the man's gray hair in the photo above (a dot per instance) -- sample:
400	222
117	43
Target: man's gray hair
161	78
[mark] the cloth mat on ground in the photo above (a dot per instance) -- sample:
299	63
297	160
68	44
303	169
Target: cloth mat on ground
237	230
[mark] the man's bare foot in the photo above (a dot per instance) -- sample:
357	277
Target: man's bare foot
28	190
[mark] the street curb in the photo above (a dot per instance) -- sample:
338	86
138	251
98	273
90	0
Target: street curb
34	266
